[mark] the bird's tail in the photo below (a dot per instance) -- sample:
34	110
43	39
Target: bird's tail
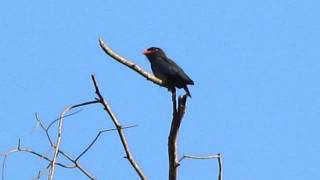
187	91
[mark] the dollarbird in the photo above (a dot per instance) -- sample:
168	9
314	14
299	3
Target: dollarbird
167	70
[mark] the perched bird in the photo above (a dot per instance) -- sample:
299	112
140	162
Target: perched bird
167	70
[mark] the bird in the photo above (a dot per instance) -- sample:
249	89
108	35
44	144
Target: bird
171	74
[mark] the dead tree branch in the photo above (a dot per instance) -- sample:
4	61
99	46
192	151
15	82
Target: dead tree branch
44	129
216	156
59	136
74	162
178	113
56	147
119	128
31	151
96	138
70	114
128	63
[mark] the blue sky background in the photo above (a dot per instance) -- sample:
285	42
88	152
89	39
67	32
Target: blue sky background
256	96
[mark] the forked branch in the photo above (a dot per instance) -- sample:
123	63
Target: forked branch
119	128
178	113
59	137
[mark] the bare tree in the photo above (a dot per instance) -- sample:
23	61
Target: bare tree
177	116
178	110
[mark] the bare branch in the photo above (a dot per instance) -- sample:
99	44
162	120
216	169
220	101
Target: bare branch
56	120
186	156
96	138
44	129
77	165
57	150
59	136
40	174
216	156
57	145
3	166
220	177
178	113
84	171
82	104
120	131
30	151
128	63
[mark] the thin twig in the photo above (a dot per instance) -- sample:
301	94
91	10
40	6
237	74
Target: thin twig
220	177
73	113
44	129
186	156
30	151
84	171
75	164
56	120
40	174
216	156
120	131
96	138
66	155
3	166
128	63
78	165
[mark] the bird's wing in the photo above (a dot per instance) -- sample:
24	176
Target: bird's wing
176	69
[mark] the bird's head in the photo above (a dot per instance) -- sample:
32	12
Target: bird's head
154	52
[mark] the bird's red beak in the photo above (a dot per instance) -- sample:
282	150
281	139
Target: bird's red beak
146	52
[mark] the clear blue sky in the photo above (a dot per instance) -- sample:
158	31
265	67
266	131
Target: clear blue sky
256	96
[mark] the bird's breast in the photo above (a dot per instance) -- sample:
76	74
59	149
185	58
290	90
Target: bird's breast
158	71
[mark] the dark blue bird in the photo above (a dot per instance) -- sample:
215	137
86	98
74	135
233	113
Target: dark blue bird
168	71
